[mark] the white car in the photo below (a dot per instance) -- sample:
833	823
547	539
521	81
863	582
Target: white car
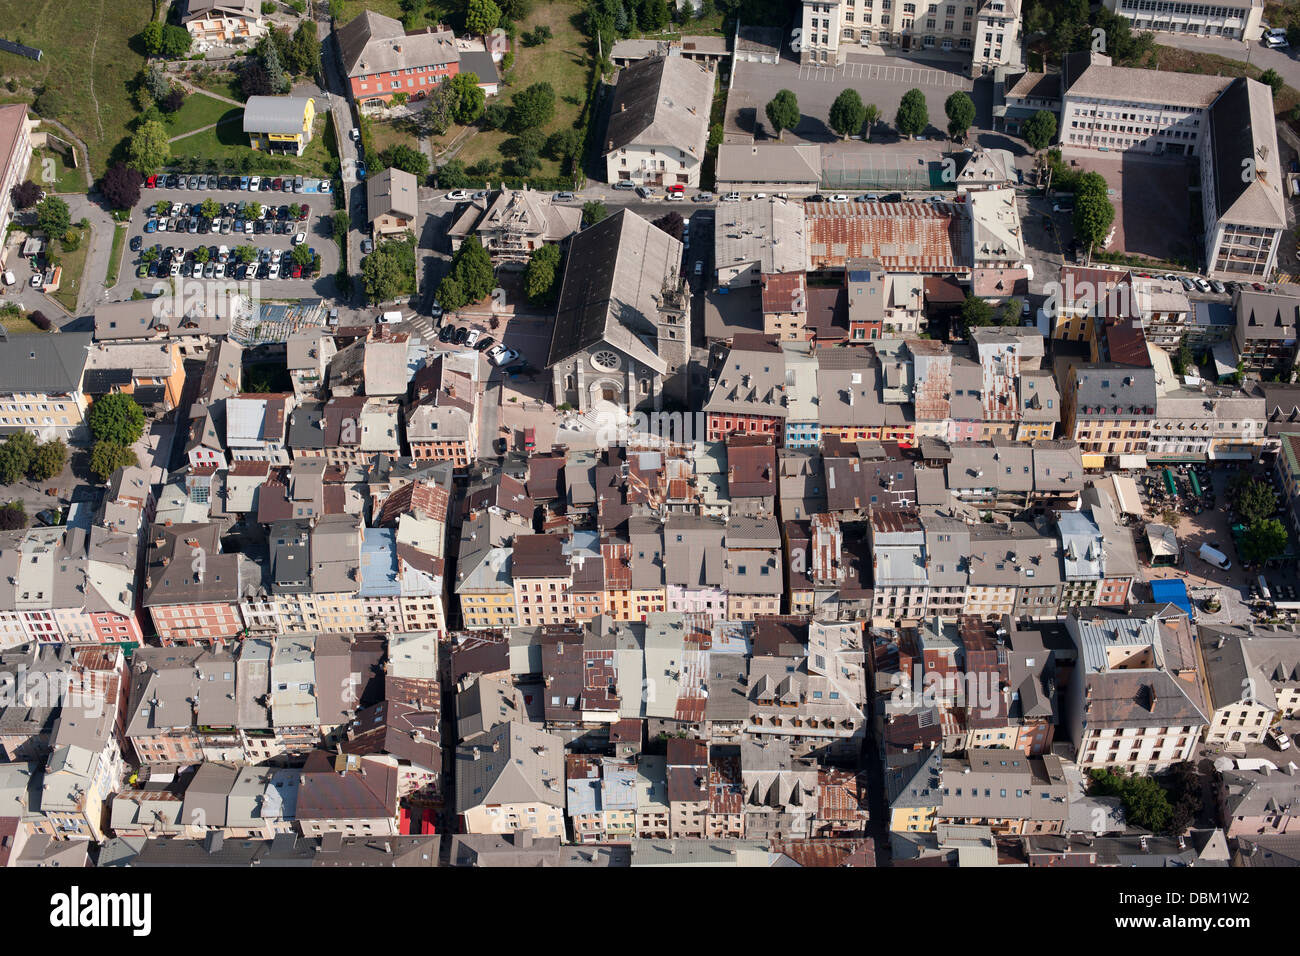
675	197
839	197
254	182
299	239
223	253
474	336
176	268
273	272
499	355
731	197
1279	738
276	254
38	280
248	225
457	195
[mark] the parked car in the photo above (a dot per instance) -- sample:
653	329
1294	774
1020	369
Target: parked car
1187	284
473	336
485	343
461	336
457	195
499	355
645	192
300	238
731	197
1279	738
868	197
1218	286
1202	284
839	197
702	197
446	332
367	247
563	197
699	267
621	184
151	182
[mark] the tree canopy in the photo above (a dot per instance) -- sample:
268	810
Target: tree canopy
117	418
848	113
783	112
913	115
1040	129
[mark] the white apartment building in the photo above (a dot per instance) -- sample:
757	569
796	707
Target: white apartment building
1242	205
988	30
1232	19
1124	109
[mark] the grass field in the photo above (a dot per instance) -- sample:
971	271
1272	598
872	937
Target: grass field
1172	59
354	8
87	60
115	256
562	62
200	111
226	147
64	179
18	324
74	264
222	82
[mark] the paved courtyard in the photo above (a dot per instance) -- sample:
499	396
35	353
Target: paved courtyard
1151	200
881	80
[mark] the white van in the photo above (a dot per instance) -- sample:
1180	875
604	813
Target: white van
9	278
1215	557
391	317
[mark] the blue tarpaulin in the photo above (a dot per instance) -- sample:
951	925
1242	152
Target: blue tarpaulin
1171	591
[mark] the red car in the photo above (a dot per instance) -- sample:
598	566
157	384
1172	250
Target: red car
297	272
676	188
151	182
277	184
302	216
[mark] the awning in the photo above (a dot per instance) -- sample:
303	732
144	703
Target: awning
1175	459
1094	461
1126	493
1132	461
1169	482
1196	484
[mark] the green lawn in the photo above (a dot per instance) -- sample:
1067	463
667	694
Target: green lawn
354	8
87	62
74	264
562	62
222	82
200	111
19	324
53	174
226	148
115	255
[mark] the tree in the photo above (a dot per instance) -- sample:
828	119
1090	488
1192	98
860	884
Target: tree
593	211
26	194
495	116
563	144
121	186
716	134
532	108
304	50
913	116
276	77
148	150
151	37
48	461
52	216
472	268
451	294
467	98
175	42
202	254
1011	311
960	109
388	273
976	312
671	223
245	253
155	82
253	210
540	276
301	255
173	101
1263	540
210	209
783	112
1273	80
13	516
403	157
116	418
870	117
1040	129
848	113
482	17
1093	212
107	457
16	455
1252	500
41	320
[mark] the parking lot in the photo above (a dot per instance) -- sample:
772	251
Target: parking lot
278	236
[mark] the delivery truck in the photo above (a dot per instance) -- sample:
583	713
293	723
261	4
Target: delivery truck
1215	557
